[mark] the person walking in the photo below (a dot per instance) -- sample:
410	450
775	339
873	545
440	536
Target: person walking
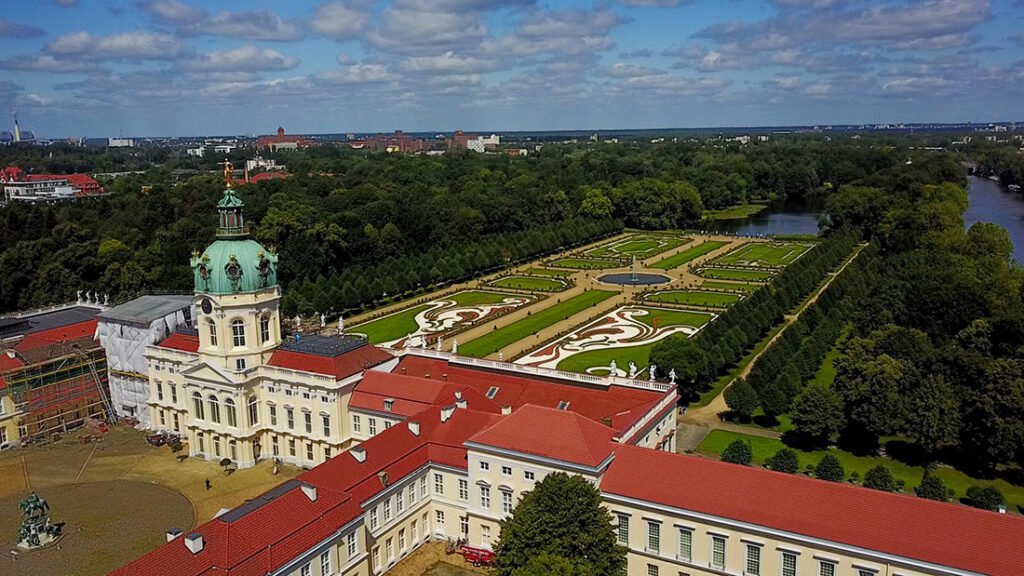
208	485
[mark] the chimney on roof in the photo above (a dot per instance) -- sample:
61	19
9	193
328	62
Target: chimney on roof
383	477
414	427
446	413
194	542
458	393
506	410
359	453
444	376
461	402
606	421
427	375
174	533
310	491
404	369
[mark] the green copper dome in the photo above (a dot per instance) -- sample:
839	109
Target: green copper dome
233	263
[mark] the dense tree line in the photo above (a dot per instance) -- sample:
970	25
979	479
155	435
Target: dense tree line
720	345
440	218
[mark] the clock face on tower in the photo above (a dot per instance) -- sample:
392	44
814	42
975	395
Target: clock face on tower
206	305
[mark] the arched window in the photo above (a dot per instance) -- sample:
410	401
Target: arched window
229	407
264	328
212	326
254	411
214	409
238	332
197	405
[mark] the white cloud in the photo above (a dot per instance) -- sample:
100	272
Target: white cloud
10	29
357	74
340	20
243	58
136	45
188	20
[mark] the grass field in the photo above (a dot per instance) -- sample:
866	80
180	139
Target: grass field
764	254
530	283
498	339
694	297
677	260
735	274
734	212
393	326
641	353
764	448
547	272
639	246
730	286
585	264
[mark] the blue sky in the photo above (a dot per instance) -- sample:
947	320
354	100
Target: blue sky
185	67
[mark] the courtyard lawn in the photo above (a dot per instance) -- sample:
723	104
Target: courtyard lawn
547	272
730	286
694	298
764	254
639	246
735	274
498	339
585	264
530	283
390	327
764	448
677	260
734	212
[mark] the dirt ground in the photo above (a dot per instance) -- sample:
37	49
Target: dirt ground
118	496
430	560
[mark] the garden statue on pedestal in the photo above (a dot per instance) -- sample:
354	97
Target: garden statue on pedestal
36	530
613	368
632	369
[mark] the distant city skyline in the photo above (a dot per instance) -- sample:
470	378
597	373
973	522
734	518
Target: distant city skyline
180	67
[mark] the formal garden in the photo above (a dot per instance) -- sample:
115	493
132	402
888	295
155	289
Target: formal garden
739	274
694	298
678	259
641	246
532	283
439	317
764	254
624	335
729	286
584	263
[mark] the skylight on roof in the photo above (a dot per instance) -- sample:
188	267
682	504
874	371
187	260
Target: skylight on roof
492	392
563	405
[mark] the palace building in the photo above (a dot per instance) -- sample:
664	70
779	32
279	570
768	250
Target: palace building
415	445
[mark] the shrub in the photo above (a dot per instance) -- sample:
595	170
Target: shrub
225	462
784	460
986	498
932	488
738	452
829	468
880	478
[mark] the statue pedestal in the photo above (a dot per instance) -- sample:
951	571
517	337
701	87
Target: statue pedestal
36	533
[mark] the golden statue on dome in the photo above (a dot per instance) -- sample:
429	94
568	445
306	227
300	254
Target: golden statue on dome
229	171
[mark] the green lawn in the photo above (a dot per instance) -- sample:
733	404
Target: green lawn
396	325
530	283
764	448
729	286
585	264
677	260
498	339
734	212
764	254
735	274
695	298
547	272
639	246
640	353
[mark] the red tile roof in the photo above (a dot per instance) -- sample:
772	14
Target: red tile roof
340	367
69	333
897	524
623	405
179	341
411	395
551	433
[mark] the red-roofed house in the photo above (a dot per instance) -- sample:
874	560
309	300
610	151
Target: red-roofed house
281	141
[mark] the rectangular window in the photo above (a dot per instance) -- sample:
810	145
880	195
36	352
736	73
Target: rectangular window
506	502
463	489
326	422
423	487
357	424
826	568
273	414
239	364
309	450
306	396
718	552
274	446
306	570
391	549
652	570
308	419
387	424
491	392
351	545
163	420
529	475
399	503
438	484
439	520
623	529
426	526
373	518
216	445
506	470
325	563
401	539
415	531
159	391
685	545
387	510
464	525
373	425
410	495
866	573
653	537
485	497
753	560
327	452
485	465
290	414
376	558
174	393
291	447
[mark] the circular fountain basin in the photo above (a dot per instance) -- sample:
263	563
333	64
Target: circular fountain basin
637	279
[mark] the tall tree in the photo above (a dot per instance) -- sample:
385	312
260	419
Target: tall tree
818	413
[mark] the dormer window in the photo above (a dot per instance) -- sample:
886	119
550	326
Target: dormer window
389	404
492	392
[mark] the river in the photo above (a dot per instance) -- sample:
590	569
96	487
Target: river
989	201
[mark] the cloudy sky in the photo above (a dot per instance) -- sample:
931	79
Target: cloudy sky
186	67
